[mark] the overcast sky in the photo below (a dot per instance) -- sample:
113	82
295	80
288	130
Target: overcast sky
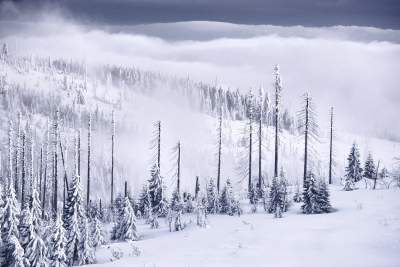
376	13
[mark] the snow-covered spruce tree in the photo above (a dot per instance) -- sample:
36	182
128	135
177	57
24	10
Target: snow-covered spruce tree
315	196
86	255
97	233
126	224
297	197
73	240
56	246
310	195
227	203
36	251
201	211
144	202
175	211
278	201
10	219
73	217
36	210
253	197
323	197
15	253
25	227
188	203
353	171
10	248
156	192
212	198
369	168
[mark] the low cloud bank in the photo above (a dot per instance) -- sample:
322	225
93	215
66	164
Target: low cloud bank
354	69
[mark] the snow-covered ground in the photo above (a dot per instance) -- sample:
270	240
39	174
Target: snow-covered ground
363	231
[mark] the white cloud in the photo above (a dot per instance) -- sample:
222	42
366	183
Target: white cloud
349	71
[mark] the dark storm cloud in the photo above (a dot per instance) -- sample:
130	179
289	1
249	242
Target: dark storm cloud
381	14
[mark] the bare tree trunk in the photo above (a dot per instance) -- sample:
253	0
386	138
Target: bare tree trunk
112	159
260	151
126	189
88	167
45	170
159	146
55	170
10	154
197	187
250	149
277	96
17	154
376	175
179	168
23	171
219	149
40	172
306	142
65	183
330	148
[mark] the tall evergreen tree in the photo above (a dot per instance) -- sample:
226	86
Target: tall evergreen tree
144	204
10	218
212	198
156	192
369	168
278	201
353	171
227	202
35	251
74	216
126	223
175	211
97	233
25	227
15	253
36	210
57	257
86	255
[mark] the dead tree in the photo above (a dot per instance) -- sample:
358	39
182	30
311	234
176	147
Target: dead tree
112	157
307	118
278	89
331	147
55	161
88	167
219	148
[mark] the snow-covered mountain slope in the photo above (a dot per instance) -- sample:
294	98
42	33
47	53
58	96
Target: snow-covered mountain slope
42	86
363	232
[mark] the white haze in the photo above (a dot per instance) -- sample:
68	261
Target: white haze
360	79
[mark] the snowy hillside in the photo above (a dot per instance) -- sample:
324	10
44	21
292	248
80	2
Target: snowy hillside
42	83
